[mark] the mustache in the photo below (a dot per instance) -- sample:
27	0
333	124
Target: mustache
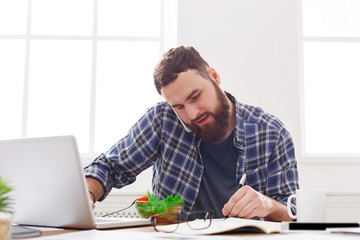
200	117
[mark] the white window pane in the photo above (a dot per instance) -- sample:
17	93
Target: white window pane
125	88
332	84
59	92
129	17
13	15
11	87
331	18
62	17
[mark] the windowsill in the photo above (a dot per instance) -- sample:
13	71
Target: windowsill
326	158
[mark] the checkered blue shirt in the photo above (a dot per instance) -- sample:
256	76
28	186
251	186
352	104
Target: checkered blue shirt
266	155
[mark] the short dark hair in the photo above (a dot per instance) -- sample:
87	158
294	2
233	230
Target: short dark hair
178	60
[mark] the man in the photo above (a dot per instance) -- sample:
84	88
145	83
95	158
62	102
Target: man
201	141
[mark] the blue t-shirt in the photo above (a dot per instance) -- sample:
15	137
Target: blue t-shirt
218	182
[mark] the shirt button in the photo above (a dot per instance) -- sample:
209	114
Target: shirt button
201	171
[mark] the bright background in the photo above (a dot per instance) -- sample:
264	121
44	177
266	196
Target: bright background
89	74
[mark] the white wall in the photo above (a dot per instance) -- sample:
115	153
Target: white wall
253	46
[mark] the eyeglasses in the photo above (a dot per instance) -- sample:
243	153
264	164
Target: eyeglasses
168	222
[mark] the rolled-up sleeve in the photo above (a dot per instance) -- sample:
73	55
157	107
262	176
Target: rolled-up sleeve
283	174
134	153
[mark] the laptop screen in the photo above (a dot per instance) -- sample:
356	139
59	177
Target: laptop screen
48	181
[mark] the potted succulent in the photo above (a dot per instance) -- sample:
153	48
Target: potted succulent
5	209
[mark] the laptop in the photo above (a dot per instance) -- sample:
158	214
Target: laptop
49	185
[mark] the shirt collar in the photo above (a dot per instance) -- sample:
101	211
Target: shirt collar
239	137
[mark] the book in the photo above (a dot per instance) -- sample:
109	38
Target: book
227	225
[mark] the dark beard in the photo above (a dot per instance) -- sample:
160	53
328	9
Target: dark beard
214	132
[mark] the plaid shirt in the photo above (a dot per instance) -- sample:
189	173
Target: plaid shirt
266	155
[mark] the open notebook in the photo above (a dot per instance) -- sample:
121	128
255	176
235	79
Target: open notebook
50	187
227	225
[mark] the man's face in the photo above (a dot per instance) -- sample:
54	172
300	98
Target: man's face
200	104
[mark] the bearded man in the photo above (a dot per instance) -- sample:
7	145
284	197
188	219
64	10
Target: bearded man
200	142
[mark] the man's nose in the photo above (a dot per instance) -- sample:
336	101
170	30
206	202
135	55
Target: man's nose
192	111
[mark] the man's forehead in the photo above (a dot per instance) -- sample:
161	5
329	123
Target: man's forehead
183	87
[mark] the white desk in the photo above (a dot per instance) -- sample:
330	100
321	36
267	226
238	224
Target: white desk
148	233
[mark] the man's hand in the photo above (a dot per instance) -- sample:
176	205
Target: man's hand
96	190
92	204
248	203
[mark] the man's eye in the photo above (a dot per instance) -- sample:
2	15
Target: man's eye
196	96
180	107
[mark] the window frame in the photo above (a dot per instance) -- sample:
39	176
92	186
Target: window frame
166	39
316	157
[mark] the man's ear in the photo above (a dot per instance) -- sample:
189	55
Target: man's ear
214	75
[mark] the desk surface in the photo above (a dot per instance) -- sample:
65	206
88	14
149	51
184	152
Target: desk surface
138	233
145	229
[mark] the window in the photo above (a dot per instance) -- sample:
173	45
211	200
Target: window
80	67
331	74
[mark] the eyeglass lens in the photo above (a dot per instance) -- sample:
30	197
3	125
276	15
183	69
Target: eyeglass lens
170	220
199	220
196	221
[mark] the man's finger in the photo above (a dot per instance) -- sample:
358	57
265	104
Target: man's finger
235	199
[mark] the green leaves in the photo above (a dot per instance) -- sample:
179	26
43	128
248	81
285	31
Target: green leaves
5	200
156	206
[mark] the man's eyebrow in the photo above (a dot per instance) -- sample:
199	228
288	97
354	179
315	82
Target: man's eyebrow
187	98
192	94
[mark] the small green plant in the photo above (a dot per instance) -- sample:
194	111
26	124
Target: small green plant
5	200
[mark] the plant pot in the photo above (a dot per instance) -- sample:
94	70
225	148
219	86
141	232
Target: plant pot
5	225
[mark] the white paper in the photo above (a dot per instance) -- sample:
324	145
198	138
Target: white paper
127	235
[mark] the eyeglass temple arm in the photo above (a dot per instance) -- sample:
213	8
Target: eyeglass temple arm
207	214
119	210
